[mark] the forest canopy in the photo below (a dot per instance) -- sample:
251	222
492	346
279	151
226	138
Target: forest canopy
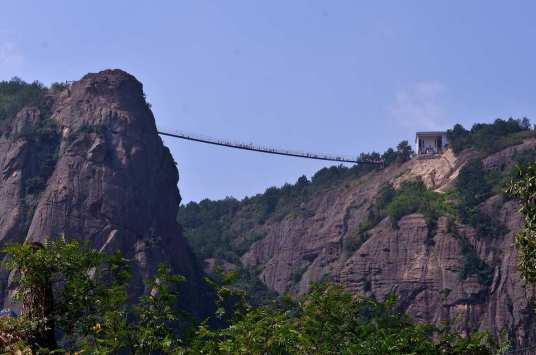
92	314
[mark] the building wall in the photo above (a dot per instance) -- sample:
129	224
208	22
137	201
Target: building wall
430	141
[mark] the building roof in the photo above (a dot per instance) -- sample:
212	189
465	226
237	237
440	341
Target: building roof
431	133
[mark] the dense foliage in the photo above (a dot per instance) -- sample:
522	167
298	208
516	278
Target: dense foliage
415	197
411	197
15	94
225	229
472	264
40	134
91	311
213	232
489	137
473	186
329	320
208	224
211	227
89	302
523	187
205	225
208	227
86	283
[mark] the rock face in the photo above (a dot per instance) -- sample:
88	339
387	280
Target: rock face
305	247
95	169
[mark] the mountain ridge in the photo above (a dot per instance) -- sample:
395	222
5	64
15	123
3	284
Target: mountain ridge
448	260
85	160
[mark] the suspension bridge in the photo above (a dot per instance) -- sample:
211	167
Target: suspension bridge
262	149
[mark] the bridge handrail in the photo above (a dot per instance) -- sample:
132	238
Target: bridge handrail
261	148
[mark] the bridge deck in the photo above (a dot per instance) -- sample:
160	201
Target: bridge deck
263	149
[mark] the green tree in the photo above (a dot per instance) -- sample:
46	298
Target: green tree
389	156
93	314
523	187
329	320
15	94
489	137
414	196
404	150
89	306
459	138
472	184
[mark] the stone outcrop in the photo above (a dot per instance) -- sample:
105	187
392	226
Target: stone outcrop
425	274
94	168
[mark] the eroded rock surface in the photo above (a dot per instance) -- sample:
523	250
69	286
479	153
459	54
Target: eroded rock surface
107	178
423	267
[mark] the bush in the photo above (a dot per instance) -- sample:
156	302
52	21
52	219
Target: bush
208	225
92	315
329	320
489	138
415	197
472	184
389	156
329	175
523	188
523	158
411	197
268	202
404	151
473	188
89	304
376	213
472	264
58	87
15	94
43	137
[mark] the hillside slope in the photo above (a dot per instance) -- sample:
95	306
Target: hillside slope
415	228
85	160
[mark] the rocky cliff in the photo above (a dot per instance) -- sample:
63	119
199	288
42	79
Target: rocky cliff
86	161
447	271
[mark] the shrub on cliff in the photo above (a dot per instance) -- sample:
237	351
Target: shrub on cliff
473	187
523	187
15	94
415	197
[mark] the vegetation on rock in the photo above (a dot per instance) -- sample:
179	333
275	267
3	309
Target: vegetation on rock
226	229
523	187
37	130
90	309
16	94
207	224
415	197
472	264
473	186
489	137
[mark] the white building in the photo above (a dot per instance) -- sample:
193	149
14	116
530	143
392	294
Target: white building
430	143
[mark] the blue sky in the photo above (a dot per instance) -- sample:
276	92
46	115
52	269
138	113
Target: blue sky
329	76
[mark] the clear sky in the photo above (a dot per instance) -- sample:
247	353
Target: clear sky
329	76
